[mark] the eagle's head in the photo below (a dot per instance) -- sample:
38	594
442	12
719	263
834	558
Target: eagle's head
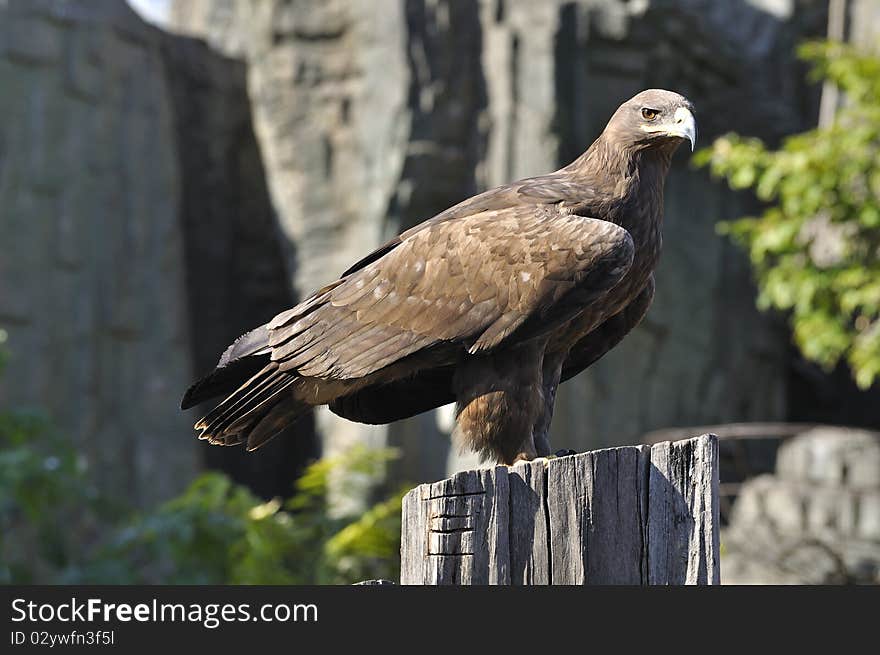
655	118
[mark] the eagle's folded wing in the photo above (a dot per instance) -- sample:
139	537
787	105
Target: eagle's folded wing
432	388
475	280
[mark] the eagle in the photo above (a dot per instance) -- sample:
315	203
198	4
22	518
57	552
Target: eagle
491	304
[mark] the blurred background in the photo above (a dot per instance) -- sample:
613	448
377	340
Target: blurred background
175	172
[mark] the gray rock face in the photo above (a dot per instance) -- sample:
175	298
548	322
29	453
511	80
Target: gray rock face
372	120
817	521
91	278
138	238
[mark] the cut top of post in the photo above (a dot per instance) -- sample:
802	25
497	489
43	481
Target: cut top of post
629	515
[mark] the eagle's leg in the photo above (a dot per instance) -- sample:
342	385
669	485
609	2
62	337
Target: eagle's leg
541	434
499	396
552	371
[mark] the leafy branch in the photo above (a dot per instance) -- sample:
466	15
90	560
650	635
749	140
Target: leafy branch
815	247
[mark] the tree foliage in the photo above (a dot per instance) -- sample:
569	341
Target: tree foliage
218	532
815	246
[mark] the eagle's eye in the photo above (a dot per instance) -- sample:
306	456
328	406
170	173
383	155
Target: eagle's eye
649	114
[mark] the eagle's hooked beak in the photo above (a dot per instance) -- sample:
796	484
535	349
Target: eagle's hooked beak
683	125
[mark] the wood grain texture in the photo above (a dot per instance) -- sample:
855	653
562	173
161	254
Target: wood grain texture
456	531
634	515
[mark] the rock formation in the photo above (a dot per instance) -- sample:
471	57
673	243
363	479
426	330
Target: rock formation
91	277
133	215
816	521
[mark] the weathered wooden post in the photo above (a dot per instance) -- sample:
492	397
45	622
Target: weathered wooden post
631	515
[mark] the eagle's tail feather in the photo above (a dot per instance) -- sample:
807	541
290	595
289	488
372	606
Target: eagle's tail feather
243	359
222	380
265	395
275	420
242	398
